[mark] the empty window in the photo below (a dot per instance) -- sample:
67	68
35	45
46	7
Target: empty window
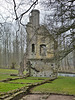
51	64
43	50
33	47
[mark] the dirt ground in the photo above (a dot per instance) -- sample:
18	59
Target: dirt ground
47	97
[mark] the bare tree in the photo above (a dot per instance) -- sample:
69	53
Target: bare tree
13	43
60	21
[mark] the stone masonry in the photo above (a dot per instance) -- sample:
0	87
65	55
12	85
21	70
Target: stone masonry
40	47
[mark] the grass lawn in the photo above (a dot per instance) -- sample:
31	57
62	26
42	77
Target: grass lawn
5	73
26	81
64	85
30	80
8	71
5	76
5	87
37	78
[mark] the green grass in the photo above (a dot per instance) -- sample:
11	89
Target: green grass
5	87
37	78
30	80
8	71
5	73
26	81
64	85
5	76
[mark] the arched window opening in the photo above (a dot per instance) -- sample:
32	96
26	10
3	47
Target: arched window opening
43	50
33	48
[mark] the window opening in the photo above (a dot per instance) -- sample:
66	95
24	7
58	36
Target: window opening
33	48
43	50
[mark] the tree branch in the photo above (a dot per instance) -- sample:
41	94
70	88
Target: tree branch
65	28
34	3
15	9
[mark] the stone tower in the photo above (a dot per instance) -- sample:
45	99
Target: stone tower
34	18
32	25
40	47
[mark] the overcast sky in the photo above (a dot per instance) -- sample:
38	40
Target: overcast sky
7	10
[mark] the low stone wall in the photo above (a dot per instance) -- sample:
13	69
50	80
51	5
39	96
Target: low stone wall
9	79
19	93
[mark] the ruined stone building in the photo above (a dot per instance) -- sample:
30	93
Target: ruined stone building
40	47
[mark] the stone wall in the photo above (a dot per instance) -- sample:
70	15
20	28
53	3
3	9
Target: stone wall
43	69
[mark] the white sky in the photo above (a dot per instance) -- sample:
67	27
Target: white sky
7	10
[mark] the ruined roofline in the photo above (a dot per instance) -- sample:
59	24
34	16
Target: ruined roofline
45	32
